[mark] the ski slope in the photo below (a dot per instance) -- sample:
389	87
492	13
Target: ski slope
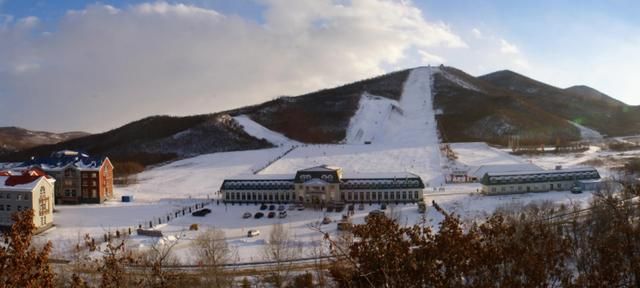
403	137
256	130
367	125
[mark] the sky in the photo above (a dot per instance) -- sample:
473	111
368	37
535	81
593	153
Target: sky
93	66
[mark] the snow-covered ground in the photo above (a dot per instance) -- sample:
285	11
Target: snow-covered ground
197	177
479	153
587	133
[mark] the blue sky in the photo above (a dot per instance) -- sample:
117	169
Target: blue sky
51	54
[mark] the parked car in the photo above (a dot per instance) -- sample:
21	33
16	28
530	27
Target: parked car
576	189
271	214
330	208
246	215
263	207
258	215
281	208
351	208
422	207
344	226
339	208
374	213
201	212
361	207
300	207
326	220
282	214
272	207
253	233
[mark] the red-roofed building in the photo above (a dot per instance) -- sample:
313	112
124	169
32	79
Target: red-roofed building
29	189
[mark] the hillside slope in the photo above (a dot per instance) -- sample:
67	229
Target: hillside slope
322	116
158	138
14	139
580	104
474	110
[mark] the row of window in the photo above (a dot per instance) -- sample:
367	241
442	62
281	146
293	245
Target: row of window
380	195
18	196
8	207
259	196
542	187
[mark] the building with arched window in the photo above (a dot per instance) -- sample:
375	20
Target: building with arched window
323	185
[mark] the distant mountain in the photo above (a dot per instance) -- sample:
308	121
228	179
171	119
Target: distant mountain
14	139
157	139
580	104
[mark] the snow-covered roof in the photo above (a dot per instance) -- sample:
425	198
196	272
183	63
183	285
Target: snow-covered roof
379	175
572	174
321	168
25	180
255	177
66	158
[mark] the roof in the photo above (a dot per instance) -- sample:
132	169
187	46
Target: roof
66	158
522	177
382	175
321	168
27	180
479	171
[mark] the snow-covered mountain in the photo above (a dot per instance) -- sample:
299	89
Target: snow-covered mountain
378	110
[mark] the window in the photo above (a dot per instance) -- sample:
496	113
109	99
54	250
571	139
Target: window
94	175
19	208
19	197
8	196
8	207
1	207
93	193
417	195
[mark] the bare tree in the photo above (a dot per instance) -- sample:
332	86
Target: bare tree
21	264
213	252
280	249
155	261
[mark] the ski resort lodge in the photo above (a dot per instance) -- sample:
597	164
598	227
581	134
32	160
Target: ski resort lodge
324	185
28	189
539	181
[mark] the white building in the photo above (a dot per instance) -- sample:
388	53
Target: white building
28	189
537	181
324	185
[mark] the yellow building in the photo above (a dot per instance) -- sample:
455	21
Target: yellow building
323	185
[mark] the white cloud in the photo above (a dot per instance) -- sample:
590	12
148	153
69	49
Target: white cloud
28	22
428	58
104	66
508	48
476	33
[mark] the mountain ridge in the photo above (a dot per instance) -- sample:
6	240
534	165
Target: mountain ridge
489	108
